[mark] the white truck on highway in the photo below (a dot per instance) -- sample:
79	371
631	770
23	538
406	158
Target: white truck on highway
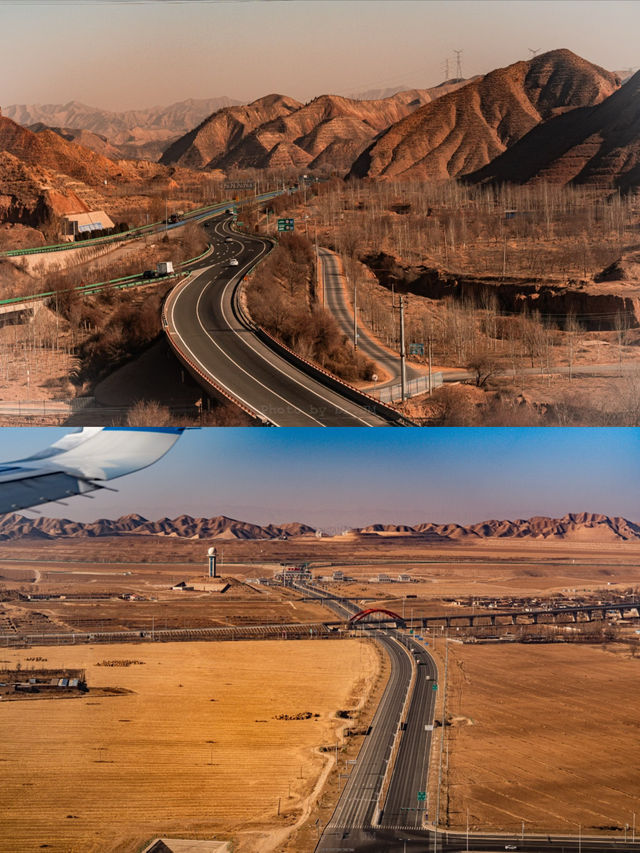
164	268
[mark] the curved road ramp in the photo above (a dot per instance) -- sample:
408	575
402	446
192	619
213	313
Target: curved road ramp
230	357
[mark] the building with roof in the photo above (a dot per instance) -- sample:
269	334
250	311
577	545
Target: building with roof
82	223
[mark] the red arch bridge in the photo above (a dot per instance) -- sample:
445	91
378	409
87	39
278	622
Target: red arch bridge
364	614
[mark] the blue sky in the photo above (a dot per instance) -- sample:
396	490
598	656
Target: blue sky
352	477
119	55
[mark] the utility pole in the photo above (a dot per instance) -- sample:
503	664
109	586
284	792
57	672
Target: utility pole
403	354
458	54
355	313
430	380
318	285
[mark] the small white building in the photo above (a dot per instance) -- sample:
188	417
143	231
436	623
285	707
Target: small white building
81	223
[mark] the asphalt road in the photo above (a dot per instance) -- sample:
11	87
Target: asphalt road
399	828
336	302
358	803
206	329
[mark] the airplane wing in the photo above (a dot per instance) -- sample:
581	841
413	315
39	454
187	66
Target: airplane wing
80	462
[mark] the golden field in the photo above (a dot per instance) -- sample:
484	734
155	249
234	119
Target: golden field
193	750
553	740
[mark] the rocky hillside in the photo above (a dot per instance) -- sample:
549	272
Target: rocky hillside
86	138
277	132
598	145
221	132
30	194
51	151
573	527
464	130
16	526
583	526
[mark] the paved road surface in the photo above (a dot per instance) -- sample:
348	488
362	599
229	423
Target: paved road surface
337	303
206	328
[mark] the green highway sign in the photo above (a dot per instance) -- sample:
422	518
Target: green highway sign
435	687
422	795
285	225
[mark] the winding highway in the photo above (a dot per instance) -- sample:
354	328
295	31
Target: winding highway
207	329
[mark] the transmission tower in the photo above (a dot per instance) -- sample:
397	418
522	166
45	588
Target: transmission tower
446	69
534	52
458	54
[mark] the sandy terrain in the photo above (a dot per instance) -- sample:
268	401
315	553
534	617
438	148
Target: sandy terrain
553	738
194	750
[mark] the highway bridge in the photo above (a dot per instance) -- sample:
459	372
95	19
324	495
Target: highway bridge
211	334
379	810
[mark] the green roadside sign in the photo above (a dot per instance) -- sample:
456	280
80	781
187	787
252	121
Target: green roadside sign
422	796
285	225
435	687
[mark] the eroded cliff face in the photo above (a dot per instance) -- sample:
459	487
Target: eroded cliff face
597	303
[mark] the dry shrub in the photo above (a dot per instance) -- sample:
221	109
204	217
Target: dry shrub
281	298
149	413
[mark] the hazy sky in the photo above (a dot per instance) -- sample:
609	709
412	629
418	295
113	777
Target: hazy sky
120	55
354	477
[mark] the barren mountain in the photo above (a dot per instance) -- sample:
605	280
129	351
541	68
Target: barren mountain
48	150
327	133
583	526
16	526
29	195
465	129
573	527
223	130
598	145
86	138
135	133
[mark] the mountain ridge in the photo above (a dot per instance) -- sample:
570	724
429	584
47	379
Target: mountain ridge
465	129
582	526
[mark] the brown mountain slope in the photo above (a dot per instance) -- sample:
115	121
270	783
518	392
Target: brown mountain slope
597	145
29	195
573	526
224	129
86	138
466	129
327	133
50	151
14	526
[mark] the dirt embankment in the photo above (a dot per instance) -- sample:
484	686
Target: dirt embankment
597	304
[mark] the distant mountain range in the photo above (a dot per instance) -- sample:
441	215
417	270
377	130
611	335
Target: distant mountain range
133	133
555	118
580	527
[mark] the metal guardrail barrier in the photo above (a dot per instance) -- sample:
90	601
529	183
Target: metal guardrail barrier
413	387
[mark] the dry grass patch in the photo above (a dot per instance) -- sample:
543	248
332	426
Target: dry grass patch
195	749
554	739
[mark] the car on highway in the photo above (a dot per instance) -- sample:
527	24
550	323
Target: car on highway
228	240
510	847
233	262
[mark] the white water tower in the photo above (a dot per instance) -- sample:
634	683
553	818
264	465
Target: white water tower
213	558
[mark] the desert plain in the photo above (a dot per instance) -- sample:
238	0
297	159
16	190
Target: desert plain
541	732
